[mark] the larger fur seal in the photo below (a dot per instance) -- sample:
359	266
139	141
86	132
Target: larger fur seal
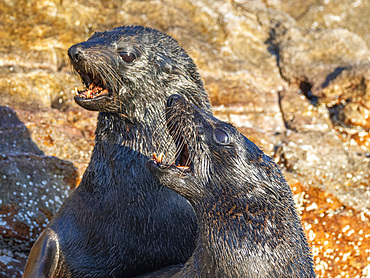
120	221
248	225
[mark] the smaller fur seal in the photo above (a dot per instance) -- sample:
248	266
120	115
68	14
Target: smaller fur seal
248	225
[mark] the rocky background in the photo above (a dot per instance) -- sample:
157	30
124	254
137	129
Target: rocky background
294	76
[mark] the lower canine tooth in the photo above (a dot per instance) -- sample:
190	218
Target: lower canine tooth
183	167
154	156
160	157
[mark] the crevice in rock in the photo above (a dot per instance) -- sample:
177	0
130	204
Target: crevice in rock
286	124
336	114
273	48
305	88
332	76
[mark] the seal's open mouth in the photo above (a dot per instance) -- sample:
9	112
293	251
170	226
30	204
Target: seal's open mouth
182	161
184	155
94	87
96	96
93	91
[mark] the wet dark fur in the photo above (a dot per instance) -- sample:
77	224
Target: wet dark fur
248	225
120	221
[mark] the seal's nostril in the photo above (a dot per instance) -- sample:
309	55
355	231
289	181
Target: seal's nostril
172	100
74	53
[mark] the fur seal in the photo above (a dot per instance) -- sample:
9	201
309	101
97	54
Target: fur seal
121	221
248	225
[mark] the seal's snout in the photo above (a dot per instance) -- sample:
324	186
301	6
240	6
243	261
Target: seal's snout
74	53
172	100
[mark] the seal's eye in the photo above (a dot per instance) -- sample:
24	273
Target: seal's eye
221	136
127	56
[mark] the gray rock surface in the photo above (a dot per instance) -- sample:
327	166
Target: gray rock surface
33	186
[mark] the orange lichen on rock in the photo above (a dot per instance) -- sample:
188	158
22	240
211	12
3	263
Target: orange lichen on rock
338	235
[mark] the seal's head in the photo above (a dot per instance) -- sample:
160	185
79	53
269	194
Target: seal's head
210	153
130	68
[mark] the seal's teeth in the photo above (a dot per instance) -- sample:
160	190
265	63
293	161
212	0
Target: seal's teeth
88	93
183	167
76	91
154	156
160	158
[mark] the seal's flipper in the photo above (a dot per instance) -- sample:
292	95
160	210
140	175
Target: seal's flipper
44	256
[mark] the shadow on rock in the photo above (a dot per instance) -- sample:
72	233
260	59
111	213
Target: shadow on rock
32	188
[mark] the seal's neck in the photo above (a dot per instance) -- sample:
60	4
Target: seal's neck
248	236
220	249
115	133
121	150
